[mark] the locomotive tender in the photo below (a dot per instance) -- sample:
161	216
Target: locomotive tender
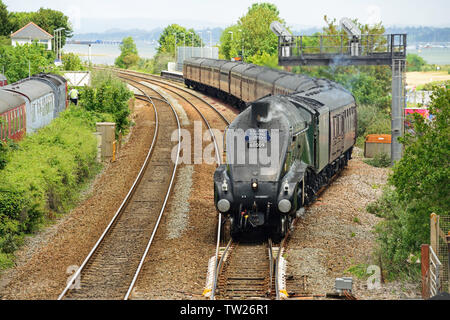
30	104
294	135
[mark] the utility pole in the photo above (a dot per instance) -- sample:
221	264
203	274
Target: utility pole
184	47
192	43
210	41
175	46
201	44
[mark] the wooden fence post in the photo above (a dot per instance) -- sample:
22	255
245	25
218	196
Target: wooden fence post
434	232
425	260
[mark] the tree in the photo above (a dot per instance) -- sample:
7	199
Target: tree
167	39
20	60
414	62
423	173
418	186
129	54
72	62
5	26
252	34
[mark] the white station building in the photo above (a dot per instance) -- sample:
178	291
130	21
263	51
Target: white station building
29	33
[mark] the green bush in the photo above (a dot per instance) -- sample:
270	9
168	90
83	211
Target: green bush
418	186
414	62
381	160
72	62
45	174
108	95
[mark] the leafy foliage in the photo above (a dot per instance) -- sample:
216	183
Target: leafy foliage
108	95
184	37
44	175
251	37
371	120
72	62
424	171
419	185
381	160
5	27
414	62
47	19
18	61
129	54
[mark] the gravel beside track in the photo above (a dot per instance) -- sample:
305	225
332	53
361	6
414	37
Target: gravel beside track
47	260
110	270
336	233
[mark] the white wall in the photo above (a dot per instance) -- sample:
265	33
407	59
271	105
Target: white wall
21	42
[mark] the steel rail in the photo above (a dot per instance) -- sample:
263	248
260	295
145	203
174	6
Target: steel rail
122	206
219	161
271	266
172	179
274	269
219	266
152	78
216	265
277	267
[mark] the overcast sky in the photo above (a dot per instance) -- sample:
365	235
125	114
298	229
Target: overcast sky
100	15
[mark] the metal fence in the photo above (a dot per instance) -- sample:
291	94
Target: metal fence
419	97
184	53
440	227
392	44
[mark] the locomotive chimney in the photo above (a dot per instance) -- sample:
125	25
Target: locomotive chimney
260	111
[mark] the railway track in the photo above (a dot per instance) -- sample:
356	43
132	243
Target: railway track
113	264
244	271
247	273
176	90
111	269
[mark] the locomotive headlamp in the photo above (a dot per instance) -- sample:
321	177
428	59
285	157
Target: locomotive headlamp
284	206
223	205
224	186
254	184
286	186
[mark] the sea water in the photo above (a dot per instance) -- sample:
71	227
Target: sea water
107	53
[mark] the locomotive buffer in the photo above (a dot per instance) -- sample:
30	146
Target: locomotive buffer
352	49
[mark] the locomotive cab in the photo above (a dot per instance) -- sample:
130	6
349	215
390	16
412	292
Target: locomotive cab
260	188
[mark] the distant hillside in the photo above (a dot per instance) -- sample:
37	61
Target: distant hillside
144	35
422	34
415	34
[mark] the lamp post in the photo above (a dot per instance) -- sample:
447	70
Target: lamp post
242	44
58	42
175	46
201	44
192	43
210	41
184	47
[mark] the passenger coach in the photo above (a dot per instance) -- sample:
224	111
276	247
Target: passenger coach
30	104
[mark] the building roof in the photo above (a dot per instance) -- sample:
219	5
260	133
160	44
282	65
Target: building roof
31	31
10	100
32	89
